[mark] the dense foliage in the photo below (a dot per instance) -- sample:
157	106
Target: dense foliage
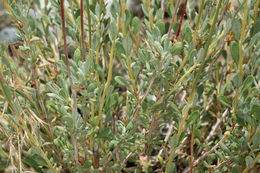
166	92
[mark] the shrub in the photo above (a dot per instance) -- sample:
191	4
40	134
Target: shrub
120	93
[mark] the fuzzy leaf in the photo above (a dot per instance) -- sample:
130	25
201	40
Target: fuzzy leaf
176	49
223	100
247	83
193	117
121	81
234	49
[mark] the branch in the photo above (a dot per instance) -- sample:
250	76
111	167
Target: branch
197	161
82	30
140	103
182	14
214	128
173	17
74	94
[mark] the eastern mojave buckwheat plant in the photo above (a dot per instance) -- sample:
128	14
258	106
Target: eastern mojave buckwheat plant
130	86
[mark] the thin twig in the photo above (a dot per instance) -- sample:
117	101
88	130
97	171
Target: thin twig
168	134
163	9
82	30
223	12
180	24
140	103
37	88
74	94
172	152
211	7
173	17
197	161
216	125
221	164
192	148
124	161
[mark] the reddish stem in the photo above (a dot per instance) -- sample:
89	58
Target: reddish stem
223	12
74	94
173	17
182	14
82	29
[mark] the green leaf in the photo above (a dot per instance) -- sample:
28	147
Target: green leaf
100	71
172	167
224	147
223	100
6	90
136	24
235	169
234	50
121	81
87	164
119	48
198	134
58	142
224	53
129	126
3	165
77	119
256	111
176	49
200	54
160	25
50	171
95	40
188	34
55	4
256	139
237	81
142	55
128	19
113	9
76	55
127	43
227	87
200	90
160	159
173	141
35	161
56	96
68	121
174	106
236	27
249	161
106	134
193	54
156	33
92	87
112	30
255	29
247	83
112	101
193	117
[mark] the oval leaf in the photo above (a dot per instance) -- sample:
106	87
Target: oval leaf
193	117
234	50
247	83
223	100
121	81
